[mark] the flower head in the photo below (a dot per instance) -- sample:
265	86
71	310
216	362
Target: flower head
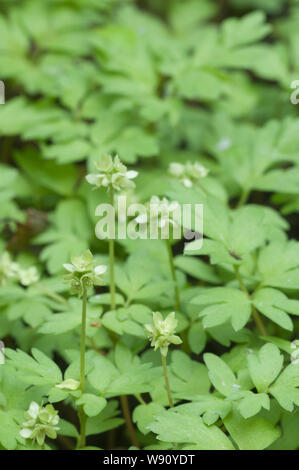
28	276
68	384
83	272
41	422
161	333
8	268
161	210
112	173
188	173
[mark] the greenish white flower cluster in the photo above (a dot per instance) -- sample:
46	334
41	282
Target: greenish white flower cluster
188	173
84	272
295	351
69	384
41	422
112	173
165	212
11	270
161	333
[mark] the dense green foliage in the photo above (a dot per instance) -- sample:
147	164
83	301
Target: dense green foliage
155	82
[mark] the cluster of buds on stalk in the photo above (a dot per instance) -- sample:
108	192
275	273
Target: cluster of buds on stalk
112	173
162	212
10	270
83	273
41	422
161	333
189	173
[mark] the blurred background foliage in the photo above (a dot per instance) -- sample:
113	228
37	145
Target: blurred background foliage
155	82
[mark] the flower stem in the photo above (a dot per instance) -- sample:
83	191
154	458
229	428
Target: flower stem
243	199
111	258
164	364
123	398
256	316
127	416
173	274
82	415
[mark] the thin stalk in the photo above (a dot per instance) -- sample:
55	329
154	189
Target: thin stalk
111	259
123	398
243	199
173	274
53	295
138	396
127	416
164	364
82	415
256	316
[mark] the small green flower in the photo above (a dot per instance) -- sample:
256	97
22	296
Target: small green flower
161	333
28	276
69	384
8	268
41	422
188	173
83	271
112	173
164	211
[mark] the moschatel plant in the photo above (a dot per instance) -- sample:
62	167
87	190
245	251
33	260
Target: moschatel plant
139	342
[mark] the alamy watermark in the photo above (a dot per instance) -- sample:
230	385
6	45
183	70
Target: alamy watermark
2	92
294	98
154	220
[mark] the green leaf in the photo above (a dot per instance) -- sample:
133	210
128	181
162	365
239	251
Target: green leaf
251	433
58	178
109	381
227	304
221	375
37	370
274	304
245	30
265	367
173	427
285	388
252	403
70	318
105	421
210	407
197	337
9	430
144	415
92	404
278	265
188	378
197	269
69	235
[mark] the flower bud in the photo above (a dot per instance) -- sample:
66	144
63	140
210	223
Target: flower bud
161	333
188	173
112	173
83	273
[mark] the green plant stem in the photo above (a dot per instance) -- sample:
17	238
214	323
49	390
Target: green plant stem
164	364
111	259
256	316
138	396
127	416
173	274
82	415
123	398
53	295
243	199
